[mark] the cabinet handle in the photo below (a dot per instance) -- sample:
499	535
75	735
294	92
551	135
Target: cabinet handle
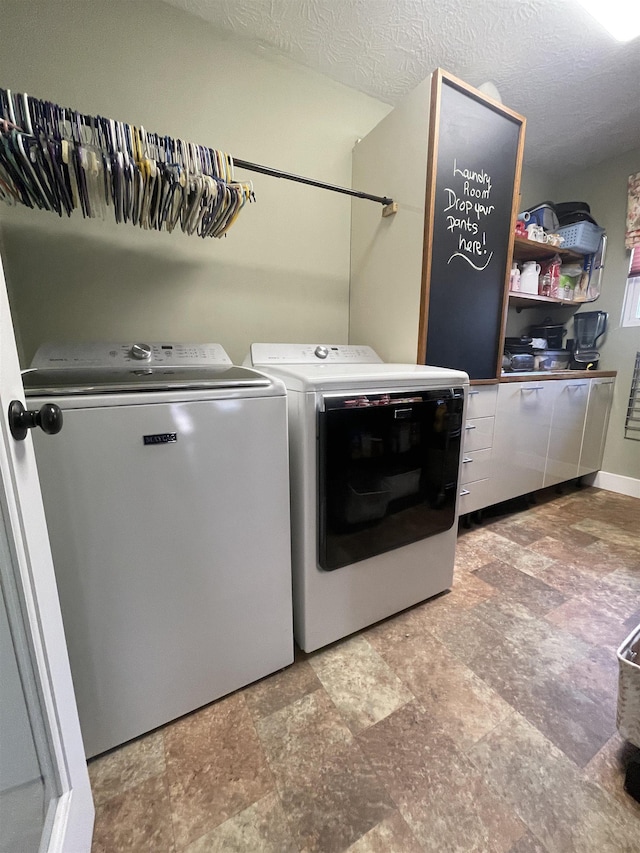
467	459
577	385
471	393
470	426
532	388
609	382
464	492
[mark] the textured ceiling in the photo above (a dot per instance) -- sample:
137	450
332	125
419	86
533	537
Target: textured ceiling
577	87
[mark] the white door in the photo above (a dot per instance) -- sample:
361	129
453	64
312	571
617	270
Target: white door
567	427
45	798
521	437
595	429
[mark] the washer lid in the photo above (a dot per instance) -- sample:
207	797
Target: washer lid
95	380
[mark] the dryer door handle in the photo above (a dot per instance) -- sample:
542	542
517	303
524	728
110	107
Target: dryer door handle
48	417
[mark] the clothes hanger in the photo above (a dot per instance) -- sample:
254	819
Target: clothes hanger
60	160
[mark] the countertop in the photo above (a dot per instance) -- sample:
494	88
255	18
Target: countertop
544	375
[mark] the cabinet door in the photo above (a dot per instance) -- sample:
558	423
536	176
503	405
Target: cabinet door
521	437
567	427
595	429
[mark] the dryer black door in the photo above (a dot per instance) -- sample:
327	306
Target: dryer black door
388	471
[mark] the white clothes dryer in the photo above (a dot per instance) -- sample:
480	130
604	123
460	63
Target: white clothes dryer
375	453
167	500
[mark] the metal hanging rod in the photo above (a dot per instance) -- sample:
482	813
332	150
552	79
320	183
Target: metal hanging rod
388	203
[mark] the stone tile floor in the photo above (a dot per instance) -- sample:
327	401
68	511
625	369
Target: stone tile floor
482	720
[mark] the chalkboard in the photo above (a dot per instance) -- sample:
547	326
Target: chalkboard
475	156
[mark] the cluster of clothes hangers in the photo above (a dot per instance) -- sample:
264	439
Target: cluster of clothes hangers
57	159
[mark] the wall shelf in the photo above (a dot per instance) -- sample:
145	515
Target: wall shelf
531	250
531	300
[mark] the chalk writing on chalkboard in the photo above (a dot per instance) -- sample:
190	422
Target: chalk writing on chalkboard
468	208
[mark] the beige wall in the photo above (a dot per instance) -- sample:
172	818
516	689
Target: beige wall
282	272
605	189
536	186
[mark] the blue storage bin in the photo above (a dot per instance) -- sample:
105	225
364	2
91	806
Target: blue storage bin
581	237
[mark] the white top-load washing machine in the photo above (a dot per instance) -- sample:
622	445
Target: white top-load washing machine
167	500
375	460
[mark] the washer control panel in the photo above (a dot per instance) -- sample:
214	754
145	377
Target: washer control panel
114	355
264	354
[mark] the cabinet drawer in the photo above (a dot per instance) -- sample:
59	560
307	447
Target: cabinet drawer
481	401
474	496
476	465
478	434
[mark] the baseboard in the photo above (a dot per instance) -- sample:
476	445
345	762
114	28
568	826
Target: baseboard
615	483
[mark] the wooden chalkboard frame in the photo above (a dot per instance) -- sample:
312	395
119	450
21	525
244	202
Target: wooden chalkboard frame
442	78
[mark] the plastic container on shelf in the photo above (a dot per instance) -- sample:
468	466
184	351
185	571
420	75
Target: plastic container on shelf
529	277
549	276
569	280
552	359
581	237
628	712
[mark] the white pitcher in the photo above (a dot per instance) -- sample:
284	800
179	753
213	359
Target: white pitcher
529	277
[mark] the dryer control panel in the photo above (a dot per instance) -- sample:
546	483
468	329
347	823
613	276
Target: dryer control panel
114	355
264	354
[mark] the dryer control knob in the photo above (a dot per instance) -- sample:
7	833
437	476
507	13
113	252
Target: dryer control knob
321	352
141	351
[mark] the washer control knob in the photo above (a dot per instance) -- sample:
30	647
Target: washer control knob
141	351
321	351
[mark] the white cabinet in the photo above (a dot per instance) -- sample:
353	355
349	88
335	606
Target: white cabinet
477	457
521	437
567	428
595	428
387	253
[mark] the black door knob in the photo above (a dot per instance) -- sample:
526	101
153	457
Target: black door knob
21	420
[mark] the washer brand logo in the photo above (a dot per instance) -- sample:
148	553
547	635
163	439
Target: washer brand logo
160	438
